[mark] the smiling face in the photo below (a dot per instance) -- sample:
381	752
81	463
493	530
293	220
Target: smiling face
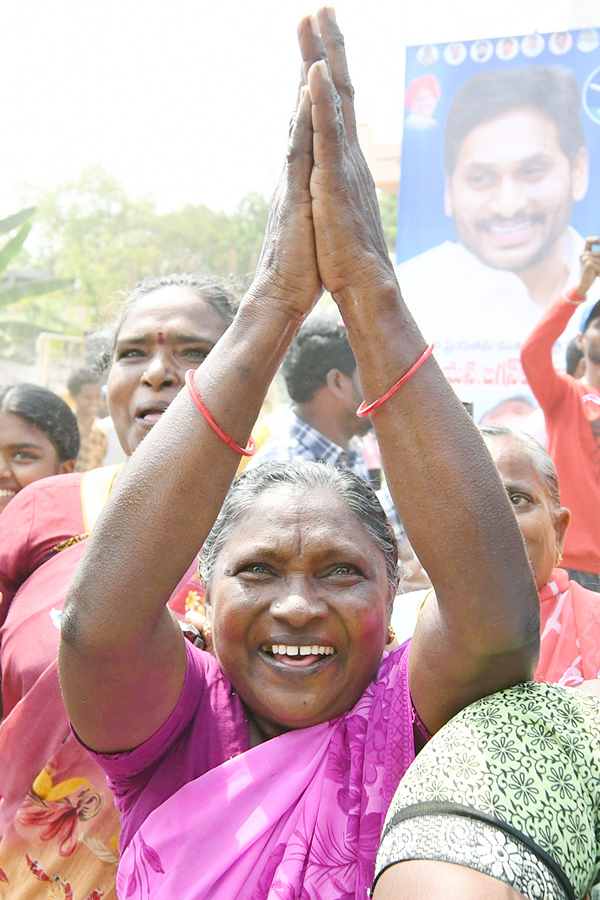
542	524
299	605
26	455
167	332
512	189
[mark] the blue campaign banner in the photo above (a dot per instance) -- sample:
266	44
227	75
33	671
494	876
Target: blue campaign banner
500	182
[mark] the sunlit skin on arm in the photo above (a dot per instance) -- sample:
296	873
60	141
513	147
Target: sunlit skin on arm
438	880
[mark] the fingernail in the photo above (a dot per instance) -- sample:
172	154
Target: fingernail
314	24
323	69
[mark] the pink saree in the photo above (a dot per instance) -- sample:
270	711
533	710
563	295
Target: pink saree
299	816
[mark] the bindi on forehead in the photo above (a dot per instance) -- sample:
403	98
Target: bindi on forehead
161	339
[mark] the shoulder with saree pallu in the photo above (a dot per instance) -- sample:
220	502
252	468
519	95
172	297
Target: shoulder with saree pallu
299	815
58	824
57	817
570	632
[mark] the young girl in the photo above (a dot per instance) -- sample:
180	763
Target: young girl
38	437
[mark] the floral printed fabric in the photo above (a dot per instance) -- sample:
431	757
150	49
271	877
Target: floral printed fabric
513	780
63	841
465	839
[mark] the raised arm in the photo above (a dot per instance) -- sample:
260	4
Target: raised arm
481	633
122	657
536	351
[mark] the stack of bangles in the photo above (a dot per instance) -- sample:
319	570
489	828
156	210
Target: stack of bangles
250	449
364	410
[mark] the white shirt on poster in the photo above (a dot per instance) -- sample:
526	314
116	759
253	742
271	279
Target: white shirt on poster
479	316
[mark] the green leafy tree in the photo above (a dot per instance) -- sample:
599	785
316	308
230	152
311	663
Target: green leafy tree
92	232
193	239
11	291
198	239
25	307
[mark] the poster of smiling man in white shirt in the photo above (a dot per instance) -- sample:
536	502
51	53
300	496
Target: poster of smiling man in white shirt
493	206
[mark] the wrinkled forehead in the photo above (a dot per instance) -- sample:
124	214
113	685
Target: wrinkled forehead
313	517
288	504
172	308
512	458
294	527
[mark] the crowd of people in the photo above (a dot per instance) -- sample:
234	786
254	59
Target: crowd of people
202	692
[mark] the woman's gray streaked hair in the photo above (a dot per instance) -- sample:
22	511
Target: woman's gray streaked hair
212	290
359	496
540	459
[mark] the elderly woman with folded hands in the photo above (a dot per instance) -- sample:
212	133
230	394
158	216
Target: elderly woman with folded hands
265	768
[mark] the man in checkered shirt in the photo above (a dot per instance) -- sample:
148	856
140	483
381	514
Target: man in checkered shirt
321	425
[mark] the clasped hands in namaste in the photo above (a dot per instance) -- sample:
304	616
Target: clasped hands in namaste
324	228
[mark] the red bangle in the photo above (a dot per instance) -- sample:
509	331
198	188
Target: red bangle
250	449
575	297
364	410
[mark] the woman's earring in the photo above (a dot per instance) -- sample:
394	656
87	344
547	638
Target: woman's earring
391	634
558	559
207	634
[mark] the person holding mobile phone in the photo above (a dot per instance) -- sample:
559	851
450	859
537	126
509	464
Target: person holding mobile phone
572	411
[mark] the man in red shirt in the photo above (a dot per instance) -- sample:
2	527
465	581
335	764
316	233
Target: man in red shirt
572	412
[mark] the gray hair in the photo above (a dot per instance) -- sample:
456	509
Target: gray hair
212	290
359	496
539	458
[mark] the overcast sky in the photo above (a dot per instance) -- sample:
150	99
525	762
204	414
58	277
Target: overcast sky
189	101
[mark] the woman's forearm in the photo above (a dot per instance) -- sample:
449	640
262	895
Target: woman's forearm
484	628
170	492
448	493
482	631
